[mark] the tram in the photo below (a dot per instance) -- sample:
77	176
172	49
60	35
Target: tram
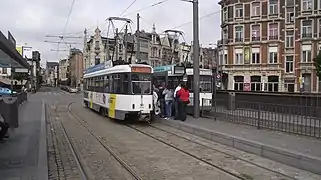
121	91
172	75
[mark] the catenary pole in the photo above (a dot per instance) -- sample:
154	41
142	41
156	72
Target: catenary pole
138	40
196	70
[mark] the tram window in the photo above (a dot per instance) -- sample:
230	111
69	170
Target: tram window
206	83
90	85
141	87
125	79
85	84
141	83
111	83
106	84
117	83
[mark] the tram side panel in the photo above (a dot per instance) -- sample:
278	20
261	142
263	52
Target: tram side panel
118	106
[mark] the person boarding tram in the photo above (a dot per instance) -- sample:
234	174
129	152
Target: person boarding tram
168	102
183	101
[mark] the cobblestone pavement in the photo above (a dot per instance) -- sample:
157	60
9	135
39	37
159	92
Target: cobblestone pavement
149	158
94	161
242	162
154	160
61	163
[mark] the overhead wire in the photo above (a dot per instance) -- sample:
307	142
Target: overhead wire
147	7
200	18
127	8
66	25
134	12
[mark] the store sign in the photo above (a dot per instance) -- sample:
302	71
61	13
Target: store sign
179	70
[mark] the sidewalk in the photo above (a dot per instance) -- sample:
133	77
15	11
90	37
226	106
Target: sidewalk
24	154
298	151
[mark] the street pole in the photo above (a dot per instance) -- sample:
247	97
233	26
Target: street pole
11	77
125	42
220	65
116	45
138	39
196	71
107	48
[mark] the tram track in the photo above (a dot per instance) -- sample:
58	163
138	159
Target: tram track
115	155
153	131
189	154
82	172
220	151
140	129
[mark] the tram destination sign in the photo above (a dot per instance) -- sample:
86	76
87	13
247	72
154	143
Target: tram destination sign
141	69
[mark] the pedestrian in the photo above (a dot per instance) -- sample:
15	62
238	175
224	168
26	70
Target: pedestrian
168	102
176	100
161	99
155	103
183	101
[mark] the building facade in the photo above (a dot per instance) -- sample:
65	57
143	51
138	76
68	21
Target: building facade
270	45
63	70
52	73
155	49
76	68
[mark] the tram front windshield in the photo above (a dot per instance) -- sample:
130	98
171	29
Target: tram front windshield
141	83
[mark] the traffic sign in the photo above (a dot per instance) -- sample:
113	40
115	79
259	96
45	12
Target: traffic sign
185	78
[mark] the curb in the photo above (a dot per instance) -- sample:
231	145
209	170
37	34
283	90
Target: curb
42	155
294	159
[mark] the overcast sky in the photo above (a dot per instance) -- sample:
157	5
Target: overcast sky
30	21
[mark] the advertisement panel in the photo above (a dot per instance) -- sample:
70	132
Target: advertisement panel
19	49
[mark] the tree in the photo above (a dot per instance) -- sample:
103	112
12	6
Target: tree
317	64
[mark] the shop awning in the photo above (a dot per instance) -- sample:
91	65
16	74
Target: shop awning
9	56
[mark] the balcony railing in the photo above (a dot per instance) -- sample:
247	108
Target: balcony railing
238	39
256	38
274	37
307	35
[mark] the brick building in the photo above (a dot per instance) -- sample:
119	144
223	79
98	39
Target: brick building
76	68
269	44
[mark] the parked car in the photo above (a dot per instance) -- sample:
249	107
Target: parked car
73	90
6	91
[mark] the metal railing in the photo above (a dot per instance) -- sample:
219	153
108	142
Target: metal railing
9	108
296	119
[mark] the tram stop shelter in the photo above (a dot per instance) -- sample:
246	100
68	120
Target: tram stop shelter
11	58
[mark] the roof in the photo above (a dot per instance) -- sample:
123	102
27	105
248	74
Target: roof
8	50
116	69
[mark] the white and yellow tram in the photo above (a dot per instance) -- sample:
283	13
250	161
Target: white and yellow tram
120	92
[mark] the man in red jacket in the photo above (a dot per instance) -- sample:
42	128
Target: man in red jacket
183	100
